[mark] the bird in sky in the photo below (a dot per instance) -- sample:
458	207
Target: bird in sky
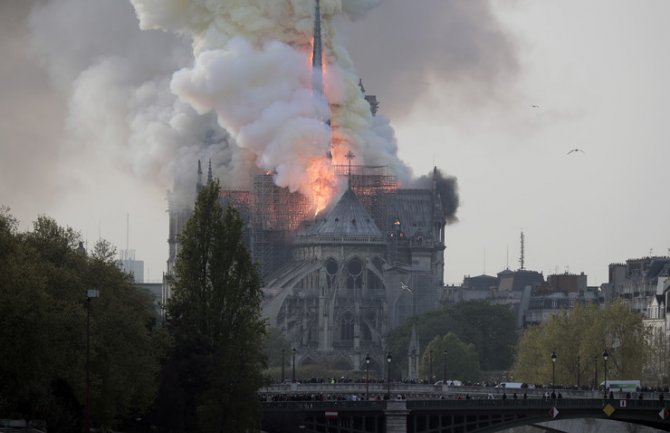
575	150
534	106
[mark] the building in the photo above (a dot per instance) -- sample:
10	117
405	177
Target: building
130	265
644	284
638	282
337	281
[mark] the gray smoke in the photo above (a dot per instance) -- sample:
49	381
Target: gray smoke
447	187
89	87
83	83
404	50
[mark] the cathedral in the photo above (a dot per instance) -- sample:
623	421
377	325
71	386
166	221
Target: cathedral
335	283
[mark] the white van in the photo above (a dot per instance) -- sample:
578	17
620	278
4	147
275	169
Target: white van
510	385
622	385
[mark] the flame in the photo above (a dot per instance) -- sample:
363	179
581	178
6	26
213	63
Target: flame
322	183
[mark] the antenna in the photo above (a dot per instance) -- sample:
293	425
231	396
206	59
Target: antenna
507	259
127	231
521	258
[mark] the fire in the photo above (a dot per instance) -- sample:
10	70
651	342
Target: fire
322	183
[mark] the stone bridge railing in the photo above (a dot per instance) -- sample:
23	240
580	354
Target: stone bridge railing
446	416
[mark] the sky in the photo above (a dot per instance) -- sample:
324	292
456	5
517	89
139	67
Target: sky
493	93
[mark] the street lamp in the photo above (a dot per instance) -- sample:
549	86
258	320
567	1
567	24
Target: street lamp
553	374
415	366
367	377
388	375
293	377
578	372
605	356
444	369
283	363
595	372
90	294
430	366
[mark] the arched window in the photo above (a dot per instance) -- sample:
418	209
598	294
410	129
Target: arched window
354	274
347	326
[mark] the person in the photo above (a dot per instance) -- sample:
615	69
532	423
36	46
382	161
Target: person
504	396
611	395
559	395
660	396
553	395
514	396
640	397
525	396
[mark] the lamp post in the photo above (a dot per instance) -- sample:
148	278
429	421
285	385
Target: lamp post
605	356
553	374
430	366
595	372
283	363
388	375
578	372
444	369
367	377
415	367
90	294
293	375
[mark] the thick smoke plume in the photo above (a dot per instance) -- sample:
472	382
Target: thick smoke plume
109	83
253	69
447	188
455	48
87	92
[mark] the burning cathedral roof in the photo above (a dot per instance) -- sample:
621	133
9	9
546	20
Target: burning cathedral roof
347	221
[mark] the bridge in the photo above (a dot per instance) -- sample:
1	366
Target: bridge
451	416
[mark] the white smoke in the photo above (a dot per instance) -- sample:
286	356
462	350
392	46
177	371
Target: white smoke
252	68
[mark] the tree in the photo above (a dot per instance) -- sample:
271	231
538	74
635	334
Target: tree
579	337
462	360
43	330
491	329
214	317
277	347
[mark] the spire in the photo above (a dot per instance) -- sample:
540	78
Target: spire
317	63
198	184
350	155
317	58
209	172
317	54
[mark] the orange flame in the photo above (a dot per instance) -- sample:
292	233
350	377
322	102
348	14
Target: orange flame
322	183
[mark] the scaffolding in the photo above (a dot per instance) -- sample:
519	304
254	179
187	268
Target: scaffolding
273	214
276	215
375	188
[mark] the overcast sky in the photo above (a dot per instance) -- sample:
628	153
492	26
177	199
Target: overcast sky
494	93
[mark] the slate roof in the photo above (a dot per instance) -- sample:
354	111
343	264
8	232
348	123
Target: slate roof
347	221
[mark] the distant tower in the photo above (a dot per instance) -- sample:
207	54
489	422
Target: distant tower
521	258
198	185
127	261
